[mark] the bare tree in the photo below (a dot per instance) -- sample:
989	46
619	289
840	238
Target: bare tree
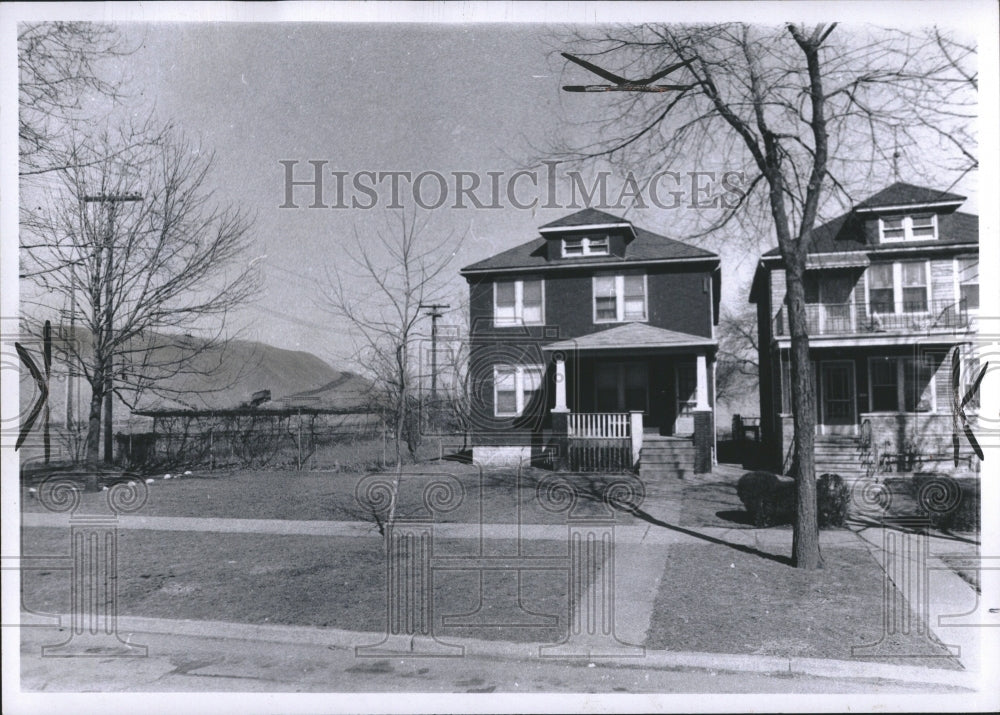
455	373
736	368
811	117
131	244
60	66
378	291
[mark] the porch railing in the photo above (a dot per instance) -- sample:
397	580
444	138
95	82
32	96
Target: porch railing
599	425
603	441
861	318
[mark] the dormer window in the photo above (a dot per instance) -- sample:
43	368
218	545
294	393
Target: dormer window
585	246
916	227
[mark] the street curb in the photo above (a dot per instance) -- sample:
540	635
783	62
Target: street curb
406	646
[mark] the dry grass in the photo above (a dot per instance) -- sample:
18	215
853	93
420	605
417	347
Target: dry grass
294	580
726	601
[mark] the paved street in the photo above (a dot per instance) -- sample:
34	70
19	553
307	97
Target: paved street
191	663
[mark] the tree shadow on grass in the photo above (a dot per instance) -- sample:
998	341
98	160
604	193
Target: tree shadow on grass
735	516
593	489
859	523
785	560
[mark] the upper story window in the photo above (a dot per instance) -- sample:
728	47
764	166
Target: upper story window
901	287
918	227
618	299
585	246
519	302
968	281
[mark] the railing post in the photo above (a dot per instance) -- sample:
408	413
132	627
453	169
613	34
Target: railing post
635	429
562	428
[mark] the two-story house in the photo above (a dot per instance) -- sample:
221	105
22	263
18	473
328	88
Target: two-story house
892	291
595	329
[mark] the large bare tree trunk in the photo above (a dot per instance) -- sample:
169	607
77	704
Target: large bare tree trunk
805	539
94	423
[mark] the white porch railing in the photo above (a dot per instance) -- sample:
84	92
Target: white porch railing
599	425
604	441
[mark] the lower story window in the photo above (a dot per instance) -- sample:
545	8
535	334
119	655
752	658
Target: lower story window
514	388
621	387
687	385
900	384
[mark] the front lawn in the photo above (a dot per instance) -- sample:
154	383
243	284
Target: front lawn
727	601
300	580
495	496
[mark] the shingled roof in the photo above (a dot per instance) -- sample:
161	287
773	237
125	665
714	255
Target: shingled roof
646	246
846	232
903	194
586	217
631	336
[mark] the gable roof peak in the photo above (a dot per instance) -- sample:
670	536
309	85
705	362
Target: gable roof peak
584	217
902	195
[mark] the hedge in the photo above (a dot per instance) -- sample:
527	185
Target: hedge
770	499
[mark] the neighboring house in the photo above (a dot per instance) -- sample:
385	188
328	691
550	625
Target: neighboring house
596	330
892	291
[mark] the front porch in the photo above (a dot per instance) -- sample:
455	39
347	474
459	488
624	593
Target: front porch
619	388
884	408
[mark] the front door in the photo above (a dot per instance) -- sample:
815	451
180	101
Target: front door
837	398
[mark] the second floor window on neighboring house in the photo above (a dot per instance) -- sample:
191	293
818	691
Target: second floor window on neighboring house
518	303
914	279
920	227
898	287
618	299
880	290
968	282
514	387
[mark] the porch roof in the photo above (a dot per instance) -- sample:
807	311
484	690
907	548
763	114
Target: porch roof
844	259
632	336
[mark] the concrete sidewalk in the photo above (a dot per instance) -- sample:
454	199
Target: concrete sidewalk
640	564
661	534
221	651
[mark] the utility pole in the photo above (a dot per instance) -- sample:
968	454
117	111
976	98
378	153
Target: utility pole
111	200
434	311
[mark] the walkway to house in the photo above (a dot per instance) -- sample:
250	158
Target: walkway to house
694	587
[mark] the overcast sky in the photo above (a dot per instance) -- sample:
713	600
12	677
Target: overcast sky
381	98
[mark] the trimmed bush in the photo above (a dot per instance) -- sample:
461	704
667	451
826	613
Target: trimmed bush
950	504
832	498
770	499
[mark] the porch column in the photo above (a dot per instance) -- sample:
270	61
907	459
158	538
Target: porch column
702	384
560	386
703	428
560	419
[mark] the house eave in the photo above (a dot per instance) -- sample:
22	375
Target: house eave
587	227
908	207
559	265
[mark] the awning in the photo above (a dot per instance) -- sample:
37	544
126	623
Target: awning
632	336
846	259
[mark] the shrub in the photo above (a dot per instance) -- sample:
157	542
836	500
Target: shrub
770	499
832	498
950	504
